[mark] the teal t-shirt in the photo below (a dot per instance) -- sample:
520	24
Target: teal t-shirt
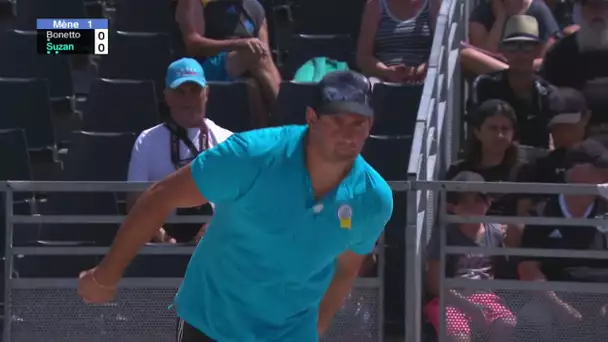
270	251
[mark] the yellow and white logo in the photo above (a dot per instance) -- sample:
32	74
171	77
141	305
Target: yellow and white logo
345	215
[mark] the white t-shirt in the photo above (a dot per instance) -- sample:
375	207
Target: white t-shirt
151	154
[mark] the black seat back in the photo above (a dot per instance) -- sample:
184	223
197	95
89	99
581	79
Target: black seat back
229	106
26	105
396	108
293	99
120	106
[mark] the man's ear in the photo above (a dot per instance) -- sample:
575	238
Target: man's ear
311	116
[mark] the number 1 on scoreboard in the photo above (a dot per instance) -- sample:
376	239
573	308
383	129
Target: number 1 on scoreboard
101	42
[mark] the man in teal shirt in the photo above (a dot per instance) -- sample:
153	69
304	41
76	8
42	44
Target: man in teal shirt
297	209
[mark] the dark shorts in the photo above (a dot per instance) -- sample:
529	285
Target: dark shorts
187	333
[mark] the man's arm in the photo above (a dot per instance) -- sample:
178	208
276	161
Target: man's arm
347	270
151	210
220	174
349	263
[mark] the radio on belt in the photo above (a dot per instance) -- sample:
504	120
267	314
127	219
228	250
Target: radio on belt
72	36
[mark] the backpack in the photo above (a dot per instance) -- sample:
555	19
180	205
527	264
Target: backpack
314	69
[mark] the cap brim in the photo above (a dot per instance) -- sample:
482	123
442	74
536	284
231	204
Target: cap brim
566	118
346	107
178	82
520	39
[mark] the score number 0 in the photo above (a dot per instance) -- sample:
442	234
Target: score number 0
101	41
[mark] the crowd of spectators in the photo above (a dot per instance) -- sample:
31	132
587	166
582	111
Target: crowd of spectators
536	114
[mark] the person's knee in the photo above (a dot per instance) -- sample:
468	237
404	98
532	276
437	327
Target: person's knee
240	62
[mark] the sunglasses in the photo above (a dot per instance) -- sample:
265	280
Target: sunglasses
519	46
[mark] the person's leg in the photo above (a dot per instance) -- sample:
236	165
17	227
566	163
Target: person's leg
256	102
188	333
500	319
457	327
238	63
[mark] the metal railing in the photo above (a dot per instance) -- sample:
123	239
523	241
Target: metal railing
49	309
529	317
435	145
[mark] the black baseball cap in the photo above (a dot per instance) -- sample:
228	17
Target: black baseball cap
453	197
592	151
344	92
566	106
490	108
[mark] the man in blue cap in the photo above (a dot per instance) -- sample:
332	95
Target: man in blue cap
297	210
184	134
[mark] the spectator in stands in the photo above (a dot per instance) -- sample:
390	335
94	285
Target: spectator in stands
519	85
486	26
468	309
568	126
231	37
162	149
395	39
582	56
560	313
491	150
596	94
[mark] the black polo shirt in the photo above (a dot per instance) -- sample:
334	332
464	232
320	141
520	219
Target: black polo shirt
532	113
548	169
503	204
567	237
565	65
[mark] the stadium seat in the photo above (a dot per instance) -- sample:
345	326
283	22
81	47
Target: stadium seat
14	156
120	106
293	99
99	156
30	10
328	17
92	157
229	107
396	108
16	166
144	16
304	47
137	56
22	61
389	155
26	105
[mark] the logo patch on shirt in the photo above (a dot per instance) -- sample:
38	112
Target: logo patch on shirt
345	215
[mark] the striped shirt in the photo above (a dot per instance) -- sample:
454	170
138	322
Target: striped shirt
403	41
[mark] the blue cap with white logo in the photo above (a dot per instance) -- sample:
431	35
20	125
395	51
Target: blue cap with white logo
185	70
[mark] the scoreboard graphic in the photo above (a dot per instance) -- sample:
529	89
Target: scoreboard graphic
72	36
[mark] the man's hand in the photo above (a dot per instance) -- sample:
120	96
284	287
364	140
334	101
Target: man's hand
163	237
93	290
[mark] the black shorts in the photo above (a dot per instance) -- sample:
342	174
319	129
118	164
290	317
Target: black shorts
188	333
